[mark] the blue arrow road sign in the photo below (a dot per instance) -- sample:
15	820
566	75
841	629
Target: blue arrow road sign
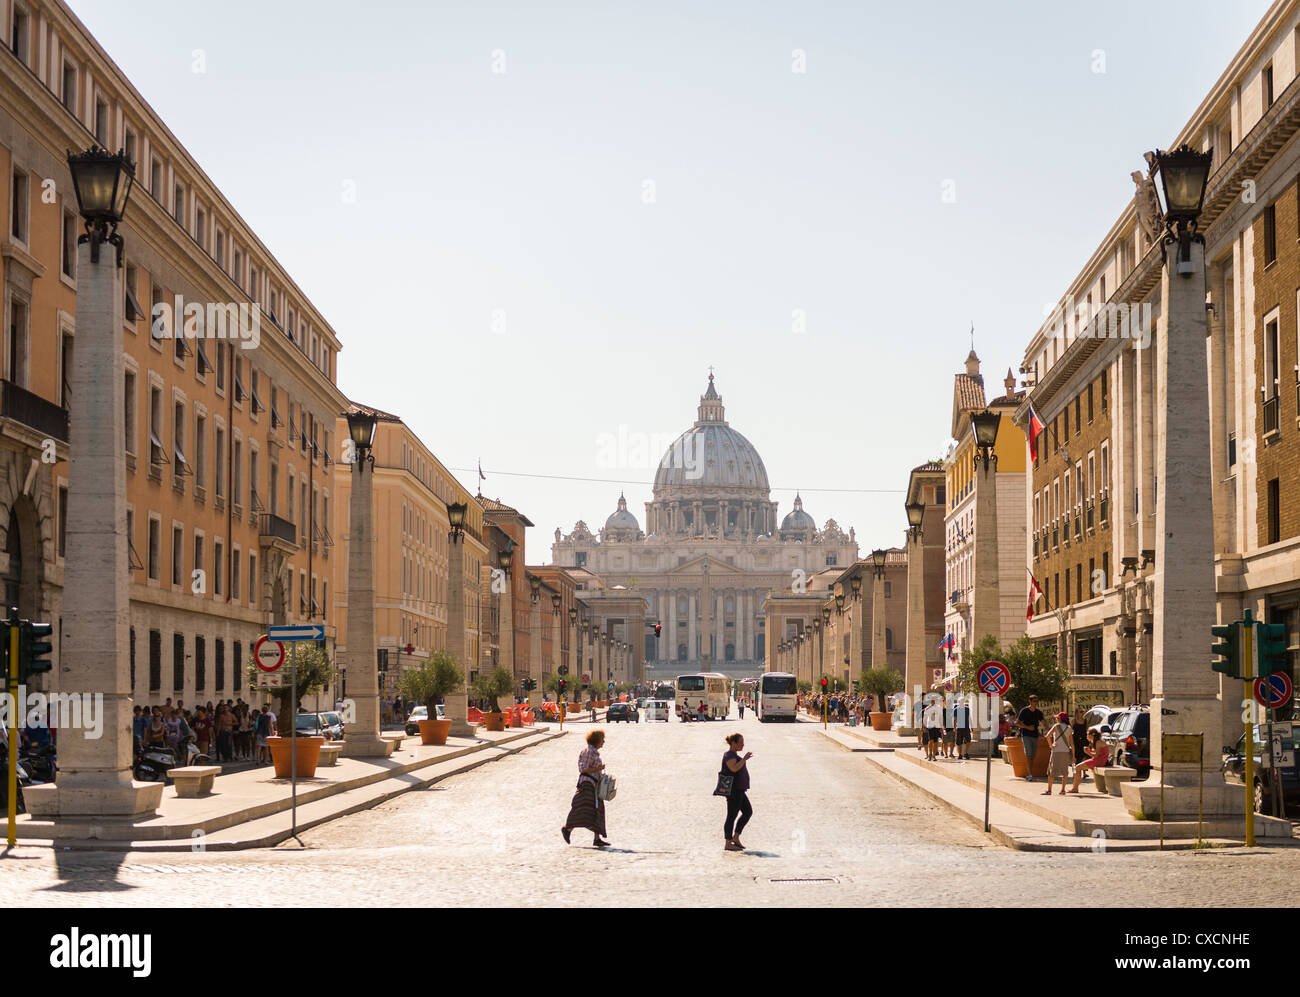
994	678
310	632
611	685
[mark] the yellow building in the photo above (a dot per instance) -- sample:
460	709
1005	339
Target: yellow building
412	490
228	439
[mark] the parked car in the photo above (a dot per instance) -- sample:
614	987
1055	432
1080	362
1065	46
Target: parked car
657	709
333	724
1234	771
412	721
623	711
309	725
1130	741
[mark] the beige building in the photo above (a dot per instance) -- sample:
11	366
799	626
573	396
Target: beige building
1099	351
228	438
713	551
412	490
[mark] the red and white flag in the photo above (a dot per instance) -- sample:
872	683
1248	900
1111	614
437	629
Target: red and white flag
1035	430
1035	593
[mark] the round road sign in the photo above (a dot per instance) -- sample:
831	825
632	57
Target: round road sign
1274	691
269	654
994	678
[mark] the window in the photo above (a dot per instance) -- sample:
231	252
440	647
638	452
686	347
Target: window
221	462
131	310
128	403
221	367
157	452
219	249
178	204
1270	235
18	35
70	87
178	555
235	569
1090	405
156	179
1266	86
252	578
200	225
237	474
235	667
200	663
889	590
1274	513
178	661
199	562
129	143
180	466
19	206
63	521
101	122
200	451
66	341
69	245
155	660
218	566
1104	395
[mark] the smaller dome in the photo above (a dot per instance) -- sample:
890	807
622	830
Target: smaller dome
621	519
796	520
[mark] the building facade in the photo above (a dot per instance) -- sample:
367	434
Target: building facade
230	406
713	552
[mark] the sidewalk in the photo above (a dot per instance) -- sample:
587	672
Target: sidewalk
1021	817
252	809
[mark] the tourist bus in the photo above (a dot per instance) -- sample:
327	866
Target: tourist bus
665	690
777	694
712	687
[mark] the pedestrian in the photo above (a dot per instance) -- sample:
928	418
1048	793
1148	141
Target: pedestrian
261	731
588	809
961	723
701	710
244	735
736	766
1030	717
203	730
742	709
225	734
1098	752
949	741
1061	738
1080	728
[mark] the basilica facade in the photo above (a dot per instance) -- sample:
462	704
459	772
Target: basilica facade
713	550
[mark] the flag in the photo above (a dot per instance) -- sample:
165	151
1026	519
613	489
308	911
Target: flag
481	475
1035	593
961	534
1035	430
948	643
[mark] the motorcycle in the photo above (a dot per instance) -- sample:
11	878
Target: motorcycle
153	762
40	762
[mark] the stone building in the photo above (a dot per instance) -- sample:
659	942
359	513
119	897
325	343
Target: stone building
1092	368
713	551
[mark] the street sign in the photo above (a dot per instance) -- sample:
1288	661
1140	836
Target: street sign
994	678
269	654
1274	691
586	677
611	685
1283	745
313	631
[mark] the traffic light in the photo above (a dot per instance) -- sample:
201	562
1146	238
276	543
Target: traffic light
1270	645
658	630
563	685
1228	649
33	646
825	683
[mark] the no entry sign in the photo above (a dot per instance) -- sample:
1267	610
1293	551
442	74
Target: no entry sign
1274	691
994	678
269	654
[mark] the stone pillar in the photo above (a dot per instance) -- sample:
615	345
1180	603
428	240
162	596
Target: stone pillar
914	668
692	653
1184	689
506	616
854	612
986	599
456	705
706	606
361	739
879	659
95	773
575	642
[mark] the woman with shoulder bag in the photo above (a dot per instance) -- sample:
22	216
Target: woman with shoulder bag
1061	738
733	782
588	809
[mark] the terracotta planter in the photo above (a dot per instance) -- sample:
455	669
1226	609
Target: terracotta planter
494	721
434	731
1016	756
882	721
282	752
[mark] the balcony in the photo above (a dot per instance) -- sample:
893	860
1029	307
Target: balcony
1035	546
1077	523
274	531
1087	518
36	413
1105	509
1270	415
1056	538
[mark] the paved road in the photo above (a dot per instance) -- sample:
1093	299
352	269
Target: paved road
491	836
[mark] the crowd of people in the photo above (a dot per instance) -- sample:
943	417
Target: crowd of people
849	708
229	731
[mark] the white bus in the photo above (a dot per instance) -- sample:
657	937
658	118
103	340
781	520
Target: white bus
712	687
777	695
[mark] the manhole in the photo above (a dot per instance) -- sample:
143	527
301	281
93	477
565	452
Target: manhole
808	880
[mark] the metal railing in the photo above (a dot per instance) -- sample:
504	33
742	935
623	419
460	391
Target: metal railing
1270	415
33	411
280	529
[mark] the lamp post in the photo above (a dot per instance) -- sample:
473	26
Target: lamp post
857	624
457	704
575	632
557	651
985	615
820	650
1184	692
506	615
361	738
914	663
879	651
95	776
534	631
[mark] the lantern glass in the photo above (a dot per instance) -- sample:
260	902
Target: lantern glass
1181	178
573	615
878	558
102	183
505	555
555	602
986	427
856	584
915	513
361	430
456	514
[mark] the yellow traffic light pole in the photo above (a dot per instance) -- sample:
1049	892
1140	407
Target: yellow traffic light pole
1248	665
12	669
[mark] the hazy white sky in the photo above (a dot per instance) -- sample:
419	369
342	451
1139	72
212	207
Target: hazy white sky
564	214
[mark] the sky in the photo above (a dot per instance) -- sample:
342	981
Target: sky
535	227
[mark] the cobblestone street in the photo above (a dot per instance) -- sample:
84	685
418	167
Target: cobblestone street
491	837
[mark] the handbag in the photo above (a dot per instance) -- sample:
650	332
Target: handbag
725	781
607	788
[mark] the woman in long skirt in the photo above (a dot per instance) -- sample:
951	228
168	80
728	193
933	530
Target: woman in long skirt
587	809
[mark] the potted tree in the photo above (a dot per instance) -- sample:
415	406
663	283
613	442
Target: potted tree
1034	672
492	687
315	672
435	677
881	683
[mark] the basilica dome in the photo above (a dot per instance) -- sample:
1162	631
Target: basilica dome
711	456
796	520
622	521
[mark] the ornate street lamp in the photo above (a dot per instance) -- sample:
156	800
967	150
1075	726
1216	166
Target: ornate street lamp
361	431
878	563
456	518
535	587
826	616
102	182
986	433
915	514
839	603
505	555
1180	178
555	603
817	624
573	615
855	583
